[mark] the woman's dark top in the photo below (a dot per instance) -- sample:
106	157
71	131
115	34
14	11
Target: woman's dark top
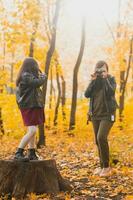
102	98
28	92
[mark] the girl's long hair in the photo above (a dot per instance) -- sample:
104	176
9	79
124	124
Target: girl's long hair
29	65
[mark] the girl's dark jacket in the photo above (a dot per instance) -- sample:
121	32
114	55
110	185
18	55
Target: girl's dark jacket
109	94
28	92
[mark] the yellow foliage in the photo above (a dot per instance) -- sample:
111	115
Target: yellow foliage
128	197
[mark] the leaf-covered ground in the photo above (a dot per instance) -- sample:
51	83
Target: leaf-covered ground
76	158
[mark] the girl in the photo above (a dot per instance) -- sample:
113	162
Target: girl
101	92
30	103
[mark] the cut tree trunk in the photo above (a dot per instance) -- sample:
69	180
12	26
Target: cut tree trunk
18	178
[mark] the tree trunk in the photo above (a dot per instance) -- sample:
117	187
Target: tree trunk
63	97
1	90
4	50
17	179
31	49
51	48
12	74
50	53
121	100
1	123
52	90
42	141
59	95
75	79
50	96
122	96
49	36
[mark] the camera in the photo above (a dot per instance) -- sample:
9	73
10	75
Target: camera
99	72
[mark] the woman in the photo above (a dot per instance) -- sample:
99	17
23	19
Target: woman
30	103
101	92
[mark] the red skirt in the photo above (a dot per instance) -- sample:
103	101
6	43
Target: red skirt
33	116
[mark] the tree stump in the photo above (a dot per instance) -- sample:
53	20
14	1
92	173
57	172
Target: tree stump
19	178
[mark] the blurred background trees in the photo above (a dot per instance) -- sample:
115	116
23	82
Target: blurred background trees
37	28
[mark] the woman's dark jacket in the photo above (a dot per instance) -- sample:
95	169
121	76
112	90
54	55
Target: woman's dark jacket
109	87
28	92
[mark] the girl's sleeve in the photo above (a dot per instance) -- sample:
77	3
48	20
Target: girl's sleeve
33	81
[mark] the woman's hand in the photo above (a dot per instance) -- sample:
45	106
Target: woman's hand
42	75
104	74
93	76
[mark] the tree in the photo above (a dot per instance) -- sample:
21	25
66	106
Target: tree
75	79
52	47
120	52
48	61
55	62
59	94
31	49
44	174
124	78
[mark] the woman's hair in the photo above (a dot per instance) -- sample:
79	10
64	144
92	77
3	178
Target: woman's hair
100	64
29	65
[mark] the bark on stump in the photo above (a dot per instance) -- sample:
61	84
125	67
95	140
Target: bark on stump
20	178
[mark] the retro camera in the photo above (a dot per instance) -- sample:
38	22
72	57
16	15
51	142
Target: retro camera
99	72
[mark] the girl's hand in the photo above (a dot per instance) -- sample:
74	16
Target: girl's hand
43	75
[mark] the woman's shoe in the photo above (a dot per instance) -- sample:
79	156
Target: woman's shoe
19	155
97	171
32	154
105	172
